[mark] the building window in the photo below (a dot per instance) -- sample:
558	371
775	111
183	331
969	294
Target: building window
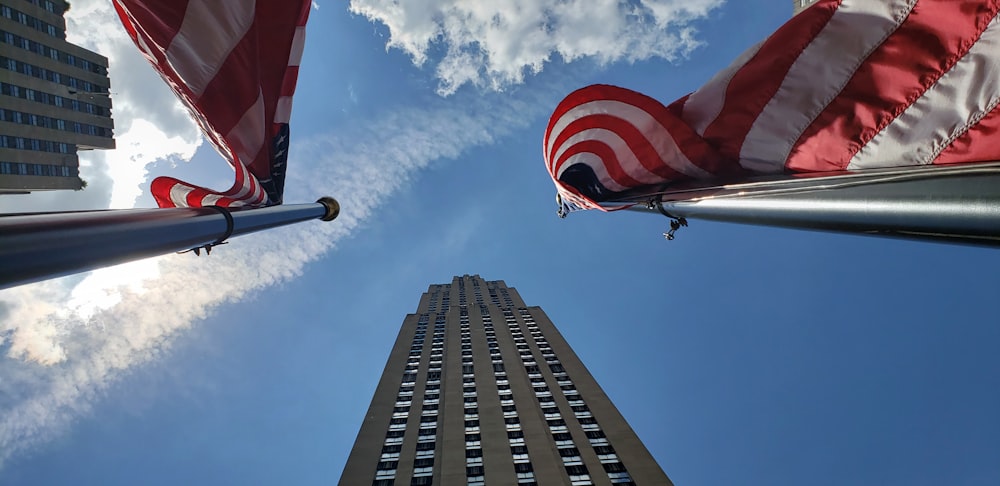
425	480
619	477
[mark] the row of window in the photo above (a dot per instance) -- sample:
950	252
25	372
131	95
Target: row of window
33	22
423	466
47	170
24	143
46	4
474	472
49	75
512	422
572	461
53	123
570	455
29	94
52	53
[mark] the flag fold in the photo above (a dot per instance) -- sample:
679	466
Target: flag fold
234	64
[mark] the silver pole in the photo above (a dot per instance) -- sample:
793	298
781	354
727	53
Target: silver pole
39	246
956	206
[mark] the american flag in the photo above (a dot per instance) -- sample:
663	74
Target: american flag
234	64
847	85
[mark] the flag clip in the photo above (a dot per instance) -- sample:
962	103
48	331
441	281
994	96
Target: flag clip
230	225
676	222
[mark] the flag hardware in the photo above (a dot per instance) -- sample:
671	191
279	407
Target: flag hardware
222	239
676	222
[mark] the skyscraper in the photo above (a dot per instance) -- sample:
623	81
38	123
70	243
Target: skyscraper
54	99
481	389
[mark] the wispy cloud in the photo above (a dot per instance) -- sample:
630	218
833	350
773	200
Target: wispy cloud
493	44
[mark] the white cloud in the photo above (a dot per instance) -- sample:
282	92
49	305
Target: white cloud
493	44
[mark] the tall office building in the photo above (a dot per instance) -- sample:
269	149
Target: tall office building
480	389
54	99
800	5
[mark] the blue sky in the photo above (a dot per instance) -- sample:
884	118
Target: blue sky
740	355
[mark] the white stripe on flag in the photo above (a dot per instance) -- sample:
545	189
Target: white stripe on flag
243	180
298	44
283	110
654	132
961	97
179	193
210	200
209	32
705	104
247	137
827	64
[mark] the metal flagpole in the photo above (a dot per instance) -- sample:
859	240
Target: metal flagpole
959	205
39	246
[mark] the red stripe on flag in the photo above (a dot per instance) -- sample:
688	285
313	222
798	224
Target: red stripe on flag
932	39
159	20
753	86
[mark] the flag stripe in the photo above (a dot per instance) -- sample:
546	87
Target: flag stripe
934	37
929	125
159	21
818	76
969	146
704	105
753	85
244	138
209	32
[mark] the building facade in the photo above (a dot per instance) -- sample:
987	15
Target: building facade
480	389
800	5
54	99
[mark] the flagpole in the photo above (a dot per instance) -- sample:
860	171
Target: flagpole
39	246
958	206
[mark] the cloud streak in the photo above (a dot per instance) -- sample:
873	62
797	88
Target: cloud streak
493	44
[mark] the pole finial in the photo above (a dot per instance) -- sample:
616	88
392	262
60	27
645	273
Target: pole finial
332	208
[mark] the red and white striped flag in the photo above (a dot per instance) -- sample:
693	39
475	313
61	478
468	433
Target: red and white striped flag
847	85
234	64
